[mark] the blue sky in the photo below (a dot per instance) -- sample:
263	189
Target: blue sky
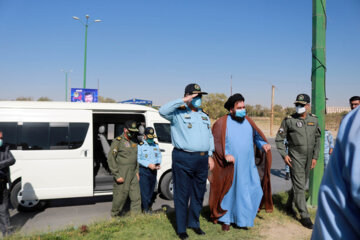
153	49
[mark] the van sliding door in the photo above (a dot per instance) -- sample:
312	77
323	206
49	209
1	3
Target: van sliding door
56	154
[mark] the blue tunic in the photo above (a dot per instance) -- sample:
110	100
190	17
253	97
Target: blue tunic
338	214
243	199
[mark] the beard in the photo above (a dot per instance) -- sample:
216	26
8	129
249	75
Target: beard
238	119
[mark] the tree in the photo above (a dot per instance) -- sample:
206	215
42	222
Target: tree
106	100
24	99
213	104
44	99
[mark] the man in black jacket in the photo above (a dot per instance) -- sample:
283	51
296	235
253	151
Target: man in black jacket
6	160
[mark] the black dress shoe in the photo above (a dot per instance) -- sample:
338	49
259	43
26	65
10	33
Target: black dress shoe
183	235
198	231
306	222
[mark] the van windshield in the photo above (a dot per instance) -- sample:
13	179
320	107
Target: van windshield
163	132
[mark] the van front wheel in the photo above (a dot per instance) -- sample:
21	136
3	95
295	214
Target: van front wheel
167	187
23	205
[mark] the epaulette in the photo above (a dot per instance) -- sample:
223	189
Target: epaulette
182	107
288	117
313	115
118	138
141	143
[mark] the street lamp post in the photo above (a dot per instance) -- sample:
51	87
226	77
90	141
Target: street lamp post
86	24
66	83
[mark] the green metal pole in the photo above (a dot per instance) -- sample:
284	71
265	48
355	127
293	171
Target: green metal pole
66	87
86	27
318	90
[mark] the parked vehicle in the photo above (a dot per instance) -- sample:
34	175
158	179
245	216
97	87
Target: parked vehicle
61	148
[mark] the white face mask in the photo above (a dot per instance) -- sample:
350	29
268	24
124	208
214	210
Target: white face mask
300	110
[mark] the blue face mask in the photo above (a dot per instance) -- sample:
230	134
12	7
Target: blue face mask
240	113
196	102
150	140
1	142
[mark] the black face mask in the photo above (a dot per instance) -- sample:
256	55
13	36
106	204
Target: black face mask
238	119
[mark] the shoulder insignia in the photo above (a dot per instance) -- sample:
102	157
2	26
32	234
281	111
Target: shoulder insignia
118	138
141	143
288	117
313	115
182	107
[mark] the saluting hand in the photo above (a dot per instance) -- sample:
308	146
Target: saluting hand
287	160
230	158
313	163
188	98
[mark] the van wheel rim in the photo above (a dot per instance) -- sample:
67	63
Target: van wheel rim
171	187
26	203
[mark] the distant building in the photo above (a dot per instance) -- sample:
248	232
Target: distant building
337	109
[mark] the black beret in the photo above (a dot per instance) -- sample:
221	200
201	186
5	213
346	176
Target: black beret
232	100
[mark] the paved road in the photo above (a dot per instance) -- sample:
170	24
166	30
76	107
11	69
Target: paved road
69	212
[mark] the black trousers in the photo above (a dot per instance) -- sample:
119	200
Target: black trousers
190	172
147	186
4	208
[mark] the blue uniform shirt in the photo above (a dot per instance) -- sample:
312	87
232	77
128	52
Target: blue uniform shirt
190	131
338	214
149	154
329	141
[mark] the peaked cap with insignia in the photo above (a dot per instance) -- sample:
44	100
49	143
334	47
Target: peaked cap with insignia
149	132
131	126
193	88
302	99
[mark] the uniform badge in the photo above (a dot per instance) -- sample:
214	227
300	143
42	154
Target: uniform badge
204	118
208	126
155	149
187	116
299	124
197	87
134	145
127	144
115	151
301	98
281	130
156	155
189	125
310	123
146	155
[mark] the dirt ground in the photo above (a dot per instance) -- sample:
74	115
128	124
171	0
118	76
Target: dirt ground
285	230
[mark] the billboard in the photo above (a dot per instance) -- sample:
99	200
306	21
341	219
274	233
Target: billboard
84	95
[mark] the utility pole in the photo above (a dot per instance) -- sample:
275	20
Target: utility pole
318	90
231	85
272	110
98	87
66	83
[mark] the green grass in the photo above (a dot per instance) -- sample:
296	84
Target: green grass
161	226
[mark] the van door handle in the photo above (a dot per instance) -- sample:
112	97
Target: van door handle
85	153
162	150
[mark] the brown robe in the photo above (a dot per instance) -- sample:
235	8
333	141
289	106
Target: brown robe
222	174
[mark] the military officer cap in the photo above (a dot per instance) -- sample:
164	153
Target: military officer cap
131	126
302	99
149	132
194	88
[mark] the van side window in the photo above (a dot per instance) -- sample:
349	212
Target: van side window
35	136
59	135
163	132
77	134
9	130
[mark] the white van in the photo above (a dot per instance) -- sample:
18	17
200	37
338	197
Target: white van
61	147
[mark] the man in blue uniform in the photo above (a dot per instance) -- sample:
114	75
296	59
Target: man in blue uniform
193	145
149	158
338	214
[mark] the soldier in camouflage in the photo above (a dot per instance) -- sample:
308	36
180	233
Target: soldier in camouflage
302	132
122	160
